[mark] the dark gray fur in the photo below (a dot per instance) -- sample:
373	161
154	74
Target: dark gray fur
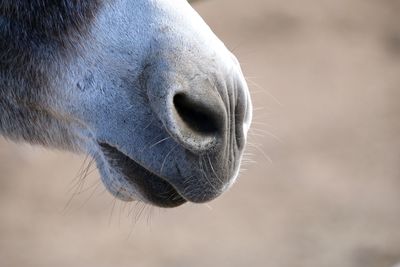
36	37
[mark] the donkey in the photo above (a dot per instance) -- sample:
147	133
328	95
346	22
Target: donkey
142	86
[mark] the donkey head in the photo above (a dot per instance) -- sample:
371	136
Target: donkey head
143	86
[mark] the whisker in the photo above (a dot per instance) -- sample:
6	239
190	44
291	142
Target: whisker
91	194
249	79
112	210
205	174
159	142
79	184
165	159
264	133
212	168
261	151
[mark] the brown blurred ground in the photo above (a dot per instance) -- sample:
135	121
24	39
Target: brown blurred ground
325	77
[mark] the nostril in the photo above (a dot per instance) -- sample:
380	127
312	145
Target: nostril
196	114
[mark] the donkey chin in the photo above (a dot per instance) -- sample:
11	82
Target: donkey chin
143	86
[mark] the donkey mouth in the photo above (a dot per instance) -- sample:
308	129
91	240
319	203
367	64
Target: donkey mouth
151	187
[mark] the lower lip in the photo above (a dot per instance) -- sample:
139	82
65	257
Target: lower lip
155	189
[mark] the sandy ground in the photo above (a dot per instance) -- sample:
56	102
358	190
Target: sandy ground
325	188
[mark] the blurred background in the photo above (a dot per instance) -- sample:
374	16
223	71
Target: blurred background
325	186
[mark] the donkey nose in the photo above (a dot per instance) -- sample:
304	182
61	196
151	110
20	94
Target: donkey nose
202	112
198	118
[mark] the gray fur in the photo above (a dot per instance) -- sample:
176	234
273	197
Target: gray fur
112	83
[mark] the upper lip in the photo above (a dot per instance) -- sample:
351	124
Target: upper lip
151	186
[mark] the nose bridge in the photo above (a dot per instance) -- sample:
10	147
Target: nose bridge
193	89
